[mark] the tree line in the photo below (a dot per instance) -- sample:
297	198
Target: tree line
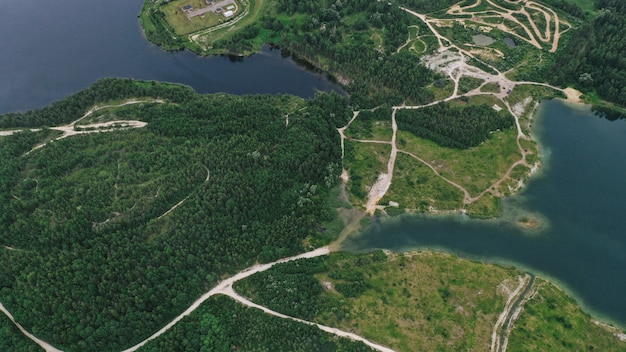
594	61
459	128
96	267
104	90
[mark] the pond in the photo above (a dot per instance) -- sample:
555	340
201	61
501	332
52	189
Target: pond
482	40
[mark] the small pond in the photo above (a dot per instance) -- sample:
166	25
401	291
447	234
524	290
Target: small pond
510	42
483	40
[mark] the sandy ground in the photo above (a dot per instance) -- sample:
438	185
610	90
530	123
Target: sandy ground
573	95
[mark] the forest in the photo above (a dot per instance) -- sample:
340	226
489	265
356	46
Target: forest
355	41
91	258
595	61
459	128
104	90
220	324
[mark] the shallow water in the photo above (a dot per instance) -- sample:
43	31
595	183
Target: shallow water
578	197
50	50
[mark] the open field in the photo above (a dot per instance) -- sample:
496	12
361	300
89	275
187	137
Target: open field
552	321
410	302
203	40
416	187
474	168
183	21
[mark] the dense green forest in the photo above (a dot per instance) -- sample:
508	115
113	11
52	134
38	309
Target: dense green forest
357	41
354	40
104	90
595	60
222	325
12	339
90	262
454	127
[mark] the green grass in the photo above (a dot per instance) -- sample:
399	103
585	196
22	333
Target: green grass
486	207
370	130
366	162
444	91
415	302
595	100
184	25
467	84
475	168
491	87
415	186
552	321
207	38
518	173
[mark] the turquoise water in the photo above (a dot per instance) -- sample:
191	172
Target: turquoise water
580	197
52	50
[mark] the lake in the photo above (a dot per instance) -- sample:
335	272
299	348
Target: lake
579	195
50	50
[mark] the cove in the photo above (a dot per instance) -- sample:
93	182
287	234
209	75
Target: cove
579	196
51	50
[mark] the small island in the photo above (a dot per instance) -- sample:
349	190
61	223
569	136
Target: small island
172	219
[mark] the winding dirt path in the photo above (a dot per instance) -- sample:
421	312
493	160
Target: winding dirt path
534	35
208	175
72	129
226	288
512	309
43	344
451	61
379	189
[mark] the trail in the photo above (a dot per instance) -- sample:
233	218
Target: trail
468	198
208	175
71	129
453	65
43	344
534	35
226	288
379	189
450	60
512	309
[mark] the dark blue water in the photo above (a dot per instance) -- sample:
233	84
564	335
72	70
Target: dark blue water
49	50
580	197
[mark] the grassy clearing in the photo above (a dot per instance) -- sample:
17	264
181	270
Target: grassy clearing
442	89
512	184
486	207
475	168
454	303
182	24
491	87
252	12
416	187
411	302
370	130
467	84
552	321
364	161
